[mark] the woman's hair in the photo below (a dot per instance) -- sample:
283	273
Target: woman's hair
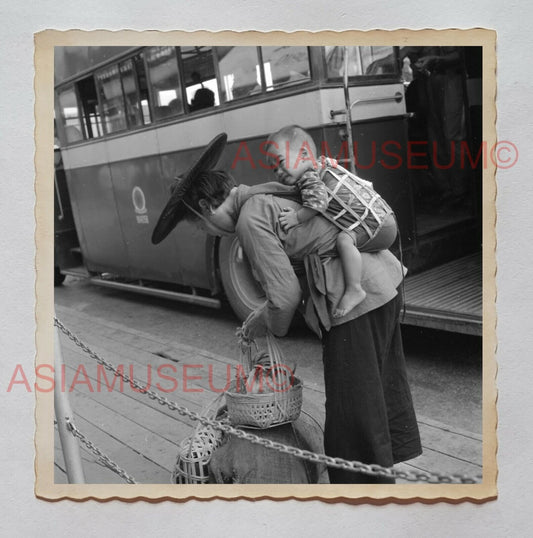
213	186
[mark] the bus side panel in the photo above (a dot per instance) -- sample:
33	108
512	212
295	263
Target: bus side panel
65	236
245	162
102	242
142	190
191	247
187	243
382	159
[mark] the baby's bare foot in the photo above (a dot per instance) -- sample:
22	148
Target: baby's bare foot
349	300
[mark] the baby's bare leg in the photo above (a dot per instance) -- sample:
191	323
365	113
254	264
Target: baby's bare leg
352	267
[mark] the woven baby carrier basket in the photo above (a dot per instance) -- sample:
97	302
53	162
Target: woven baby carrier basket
361	192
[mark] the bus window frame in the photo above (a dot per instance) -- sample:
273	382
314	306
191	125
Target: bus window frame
316	64
107	66
261	69
97	105
84	133
317	80
296	83
61	126
223	102
137	93
172	117
187	107
364	80
183	89
73	80
142	57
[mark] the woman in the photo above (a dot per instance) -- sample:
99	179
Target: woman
369	410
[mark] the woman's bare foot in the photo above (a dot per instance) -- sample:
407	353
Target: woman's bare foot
350	299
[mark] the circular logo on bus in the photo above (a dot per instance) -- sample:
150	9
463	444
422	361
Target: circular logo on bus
139	201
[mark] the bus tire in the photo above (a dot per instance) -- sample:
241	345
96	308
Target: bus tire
242	290
59	277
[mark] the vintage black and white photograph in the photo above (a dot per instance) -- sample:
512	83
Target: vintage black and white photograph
272	266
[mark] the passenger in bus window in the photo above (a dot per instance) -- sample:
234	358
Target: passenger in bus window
365	220
174	107
369	410
204	97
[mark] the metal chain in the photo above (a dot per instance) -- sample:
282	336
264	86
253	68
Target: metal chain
103	458
339	463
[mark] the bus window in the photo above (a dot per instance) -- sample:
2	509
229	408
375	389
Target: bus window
131	94
285	65
200	77
111	99
162	64
89	105
240	73
70	115
370	54
359	60
142	83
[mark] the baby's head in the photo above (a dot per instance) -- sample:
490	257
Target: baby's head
292	152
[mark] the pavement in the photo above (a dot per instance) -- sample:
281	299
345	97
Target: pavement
444	371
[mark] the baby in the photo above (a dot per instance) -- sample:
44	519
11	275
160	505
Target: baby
366	221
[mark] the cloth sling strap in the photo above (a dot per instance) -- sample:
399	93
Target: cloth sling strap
276	189
372	202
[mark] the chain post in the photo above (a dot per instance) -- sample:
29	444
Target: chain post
63	412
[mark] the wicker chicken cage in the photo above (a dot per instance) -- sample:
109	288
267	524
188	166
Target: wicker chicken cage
195	452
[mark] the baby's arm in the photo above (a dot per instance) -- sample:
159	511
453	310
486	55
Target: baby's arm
314	200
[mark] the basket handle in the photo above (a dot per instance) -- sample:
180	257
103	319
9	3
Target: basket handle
274	351
245	348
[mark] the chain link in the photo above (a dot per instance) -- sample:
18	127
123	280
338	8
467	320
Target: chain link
103	458
339	463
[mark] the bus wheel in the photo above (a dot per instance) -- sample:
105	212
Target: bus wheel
242	290
58	277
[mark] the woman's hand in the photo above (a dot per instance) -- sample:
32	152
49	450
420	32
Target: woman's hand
288	219
426	64
255	325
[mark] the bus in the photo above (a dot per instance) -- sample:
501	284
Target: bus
131	119
66	244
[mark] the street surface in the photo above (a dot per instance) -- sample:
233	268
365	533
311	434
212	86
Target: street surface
444	368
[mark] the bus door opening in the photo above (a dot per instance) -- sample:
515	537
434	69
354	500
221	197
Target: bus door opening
441	134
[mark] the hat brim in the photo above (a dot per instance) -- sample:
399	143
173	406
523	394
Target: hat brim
175	210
